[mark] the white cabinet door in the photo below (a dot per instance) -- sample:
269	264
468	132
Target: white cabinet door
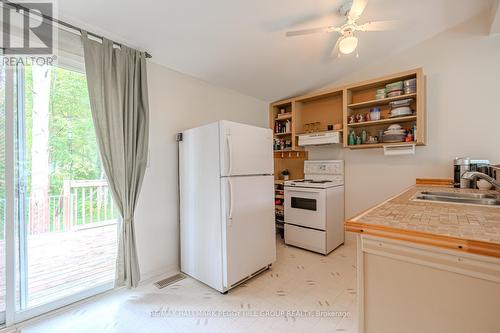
249	242
245	149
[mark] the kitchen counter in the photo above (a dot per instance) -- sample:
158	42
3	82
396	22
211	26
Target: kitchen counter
461	227
419	257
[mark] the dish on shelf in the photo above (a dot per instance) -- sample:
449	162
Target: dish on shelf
394	86
402	132
381	93
402	102
394	127
395	93
410	82
410	86
400	115
401	112
393	138
410	90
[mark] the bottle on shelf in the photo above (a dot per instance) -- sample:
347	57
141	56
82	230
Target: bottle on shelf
352	138
288	126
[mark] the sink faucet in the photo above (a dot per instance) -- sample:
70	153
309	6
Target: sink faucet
475	174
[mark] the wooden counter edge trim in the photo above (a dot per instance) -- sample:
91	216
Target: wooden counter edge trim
447	242
433	181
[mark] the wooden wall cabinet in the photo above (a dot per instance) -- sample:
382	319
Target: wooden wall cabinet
334	106
359	98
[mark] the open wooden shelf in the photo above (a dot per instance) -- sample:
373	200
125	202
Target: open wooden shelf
375	102
359	97
335	105
379	145
384	121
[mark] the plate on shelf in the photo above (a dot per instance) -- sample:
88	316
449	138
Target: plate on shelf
389	138
393	141
400	103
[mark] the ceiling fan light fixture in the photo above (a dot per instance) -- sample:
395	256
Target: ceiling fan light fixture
348	44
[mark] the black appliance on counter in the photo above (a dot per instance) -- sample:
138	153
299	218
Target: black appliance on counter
463	164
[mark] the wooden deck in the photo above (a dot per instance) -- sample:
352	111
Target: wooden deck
63	263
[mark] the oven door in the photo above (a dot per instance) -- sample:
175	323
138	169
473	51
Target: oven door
305	207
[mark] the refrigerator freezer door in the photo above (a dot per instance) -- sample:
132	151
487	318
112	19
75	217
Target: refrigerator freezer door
249	242
245	150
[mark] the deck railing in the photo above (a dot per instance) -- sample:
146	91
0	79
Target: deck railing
82	203
91	202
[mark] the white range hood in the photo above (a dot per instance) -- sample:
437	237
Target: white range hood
320	138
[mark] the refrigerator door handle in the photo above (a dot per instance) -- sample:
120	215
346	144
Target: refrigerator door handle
230	217
229	157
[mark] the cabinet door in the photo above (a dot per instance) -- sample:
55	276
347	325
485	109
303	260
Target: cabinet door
245	150
249	229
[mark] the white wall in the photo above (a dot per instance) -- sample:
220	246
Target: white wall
462	68
177	102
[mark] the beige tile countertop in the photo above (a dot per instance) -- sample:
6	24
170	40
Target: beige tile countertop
462	227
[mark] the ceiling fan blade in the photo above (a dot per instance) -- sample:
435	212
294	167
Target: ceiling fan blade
335	50
380	25
331	16
309	31
331	49
357	8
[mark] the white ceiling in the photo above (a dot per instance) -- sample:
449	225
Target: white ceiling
241	45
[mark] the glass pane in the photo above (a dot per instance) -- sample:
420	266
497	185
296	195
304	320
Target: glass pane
2	188
303	203
67	218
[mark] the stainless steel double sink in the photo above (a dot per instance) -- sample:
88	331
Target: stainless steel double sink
481	199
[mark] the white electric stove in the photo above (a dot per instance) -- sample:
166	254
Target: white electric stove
314	207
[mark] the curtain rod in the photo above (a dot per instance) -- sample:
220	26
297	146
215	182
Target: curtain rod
65	24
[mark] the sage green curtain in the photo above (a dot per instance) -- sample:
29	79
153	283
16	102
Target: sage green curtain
118	93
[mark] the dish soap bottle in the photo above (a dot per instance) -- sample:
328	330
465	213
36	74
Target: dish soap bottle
351	139
364	136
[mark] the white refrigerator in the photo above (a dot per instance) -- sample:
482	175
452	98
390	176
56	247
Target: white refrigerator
227	229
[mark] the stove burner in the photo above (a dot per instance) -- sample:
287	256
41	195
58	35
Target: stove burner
310	181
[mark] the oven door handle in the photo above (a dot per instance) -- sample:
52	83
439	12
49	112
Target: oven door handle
303	190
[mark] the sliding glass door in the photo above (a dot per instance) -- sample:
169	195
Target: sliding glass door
64	222
67	221
2	194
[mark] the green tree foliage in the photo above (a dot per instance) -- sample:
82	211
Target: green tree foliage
73	152
72	142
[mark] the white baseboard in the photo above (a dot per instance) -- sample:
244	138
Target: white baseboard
157	275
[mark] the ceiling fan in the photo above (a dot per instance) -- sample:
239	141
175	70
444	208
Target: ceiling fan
348	42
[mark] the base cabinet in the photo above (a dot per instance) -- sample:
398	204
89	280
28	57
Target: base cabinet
404	287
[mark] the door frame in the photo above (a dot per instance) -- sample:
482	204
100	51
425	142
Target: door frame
10	233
